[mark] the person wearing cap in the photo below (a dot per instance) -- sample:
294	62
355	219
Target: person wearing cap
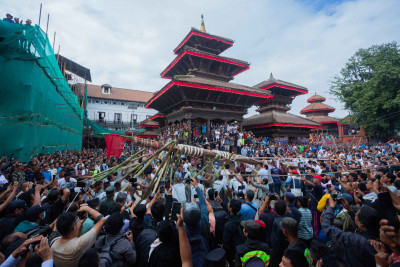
293	182
252	246
13	216
315	195
34	216
8	18
106	204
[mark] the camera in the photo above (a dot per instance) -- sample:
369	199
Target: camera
81	215
334	196
271	196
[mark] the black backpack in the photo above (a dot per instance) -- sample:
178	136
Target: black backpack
220	219
107	256
240	238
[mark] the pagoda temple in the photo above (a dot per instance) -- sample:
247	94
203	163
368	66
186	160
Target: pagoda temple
151	129
318	111
200	89
274	119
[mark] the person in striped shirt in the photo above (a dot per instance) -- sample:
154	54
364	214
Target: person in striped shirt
305	228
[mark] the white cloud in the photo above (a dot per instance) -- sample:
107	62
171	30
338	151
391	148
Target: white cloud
128	43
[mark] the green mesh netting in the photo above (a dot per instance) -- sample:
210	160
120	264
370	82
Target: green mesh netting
99	131
38	110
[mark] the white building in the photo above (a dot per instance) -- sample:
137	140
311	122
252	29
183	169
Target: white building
116	108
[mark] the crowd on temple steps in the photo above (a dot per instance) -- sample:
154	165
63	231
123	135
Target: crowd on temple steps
312	204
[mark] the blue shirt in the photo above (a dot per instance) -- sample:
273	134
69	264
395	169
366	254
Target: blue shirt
5	19
248	213
47	176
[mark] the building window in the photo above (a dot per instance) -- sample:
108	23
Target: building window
122	104
102	115
101	102
89	101
106	89
134	118
114	103
105	102
118	118
97	101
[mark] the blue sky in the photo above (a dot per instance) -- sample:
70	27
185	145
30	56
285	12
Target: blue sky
128	43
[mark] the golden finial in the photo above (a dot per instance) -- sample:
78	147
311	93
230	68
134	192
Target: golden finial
202	27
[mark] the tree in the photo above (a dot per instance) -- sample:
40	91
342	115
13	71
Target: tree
369	86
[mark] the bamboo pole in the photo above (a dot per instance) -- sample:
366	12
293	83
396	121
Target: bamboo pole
204	152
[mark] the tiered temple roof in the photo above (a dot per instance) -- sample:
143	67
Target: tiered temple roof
318	111
151	129
200	87
273	118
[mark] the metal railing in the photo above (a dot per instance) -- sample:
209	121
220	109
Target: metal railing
116	123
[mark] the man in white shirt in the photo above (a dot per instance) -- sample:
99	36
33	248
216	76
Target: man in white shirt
186	166
217	134
264	173
178	191
66	180
53	170
219	184
225	173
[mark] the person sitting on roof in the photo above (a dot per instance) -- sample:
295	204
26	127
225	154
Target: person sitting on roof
8	18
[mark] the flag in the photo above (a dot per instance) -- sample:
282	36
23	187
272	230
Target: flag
114	144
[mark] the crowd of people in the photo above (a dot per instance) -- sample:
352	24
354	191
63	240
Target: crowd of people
11	19
301	205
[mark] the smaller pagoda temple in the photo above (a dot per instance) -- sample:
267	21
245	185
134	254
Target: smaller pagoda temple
151	129
318	111
273	120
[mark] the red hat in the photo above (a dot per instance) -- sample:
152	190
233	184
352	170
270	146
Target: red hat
260	223
318	177
294	172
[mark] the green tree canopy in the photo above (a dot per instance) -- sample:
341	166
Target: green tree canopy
369	86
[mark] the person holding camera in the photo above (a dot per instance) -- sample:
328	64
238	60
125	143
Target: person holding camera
68	248
116	248
355	248
262	185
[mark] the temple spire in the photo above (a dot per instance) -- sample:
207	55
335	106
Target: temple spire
202	27
271	76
